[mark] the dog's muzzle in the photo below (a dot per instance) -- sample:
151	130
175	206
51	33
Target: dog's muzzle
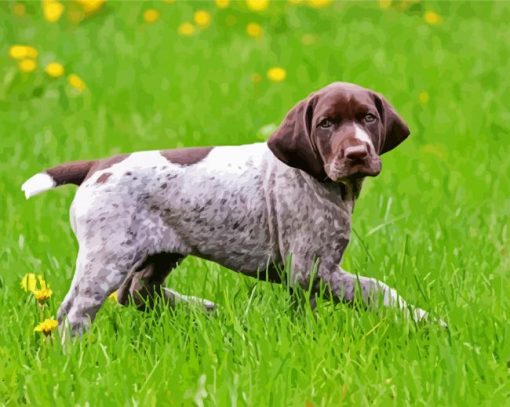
355	162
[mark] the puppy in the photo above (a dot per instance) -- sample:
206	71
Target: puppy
248	208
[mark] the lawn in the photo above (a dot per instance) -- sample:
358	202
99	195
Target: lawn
434	225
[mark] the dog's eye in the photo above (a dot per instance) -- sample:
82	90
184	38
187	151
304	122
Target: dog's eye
326	123
369	118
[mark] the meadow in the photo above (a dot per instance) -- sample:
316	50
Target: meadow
88	79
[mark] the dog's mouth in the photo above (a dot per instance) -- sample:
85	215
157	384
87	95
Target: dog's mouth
345	170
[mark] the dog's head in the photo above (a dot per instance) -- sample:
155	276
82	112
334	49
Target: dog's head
338	133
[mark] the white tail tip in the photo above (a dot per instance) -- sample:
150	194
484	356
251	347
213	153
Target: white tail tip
38	183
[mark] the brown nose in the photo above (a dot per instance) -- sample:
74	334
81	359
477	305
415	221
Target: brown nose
356	152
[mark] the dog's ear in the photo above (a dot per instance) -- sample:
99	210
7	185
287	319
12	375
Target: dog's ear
292	142
395	130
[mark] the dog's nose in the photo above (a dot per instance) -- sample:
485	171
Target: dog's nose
356	152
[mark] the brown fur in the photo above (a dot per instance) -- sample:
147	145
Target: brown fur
186	156
103	178
302	143
75	172
70	173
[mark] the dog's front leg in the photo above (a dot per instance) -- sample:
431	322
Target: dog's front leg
344	286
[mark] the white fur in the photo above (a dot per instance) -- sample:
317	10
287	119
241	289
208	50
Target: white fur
38	183
362	135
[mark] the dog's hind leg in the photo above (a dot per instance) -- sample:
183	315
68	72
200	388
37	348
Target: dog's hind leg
98	274
145	283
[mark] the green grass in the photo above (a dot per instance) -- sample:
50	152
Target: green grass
434	224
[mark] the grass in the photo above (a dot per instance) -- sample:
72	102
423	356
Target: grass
434	224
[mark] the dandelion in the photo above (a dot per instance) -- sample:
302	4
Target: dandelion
90	6
54	69
22	52
276	74
423	97
27	65
76	82
52	10
257	5
29	282
186	29
47	326
42	295
319	3
202	18
254	30
222	3
151	15
385	4
432	18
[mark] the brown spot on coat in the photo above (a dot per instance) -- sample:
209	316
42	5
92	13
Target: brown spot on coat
186	156
103	178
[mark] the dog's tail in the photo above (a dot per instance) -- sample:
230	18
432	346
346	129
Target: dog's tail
69	173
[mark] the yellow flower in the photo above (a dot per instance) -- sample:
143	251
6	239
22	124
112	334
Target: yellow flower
90	6
257	5
254	30
423	97
29	282
47	326
113	297
276	74
27	65
76	82
384	4
432	18
222	3
319	3
19	9
186	29
22	52
151	15
54	69
42	295
52	10
202	18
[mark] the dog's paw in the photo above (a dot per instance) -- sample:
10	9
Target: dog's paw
420	315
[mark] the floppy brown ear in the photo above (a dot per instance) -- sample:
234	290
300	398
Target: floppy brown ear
292	142
395	130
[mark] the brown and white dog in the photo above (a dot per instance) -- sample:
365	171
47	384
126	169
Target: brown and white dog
248	208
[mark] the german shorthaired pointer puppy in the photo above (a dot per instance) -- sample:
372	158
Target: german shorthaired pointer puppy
248	208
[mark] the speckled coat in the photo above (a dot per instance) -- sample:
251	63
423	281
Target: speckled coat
249	208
